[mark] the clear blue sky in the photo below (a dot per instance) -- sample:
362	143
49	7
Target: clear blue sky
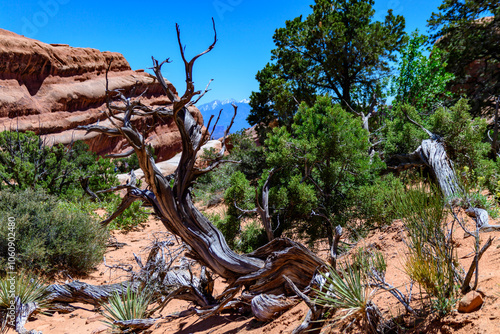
141	29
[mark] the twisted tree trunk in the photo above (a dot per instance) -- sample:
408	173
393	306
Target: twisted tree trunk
260	272
431	153
434	155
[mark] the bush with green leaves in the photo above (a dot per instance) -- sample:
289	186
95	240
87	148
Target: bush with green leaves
375	202
463	135
133	216
252	236
125	165
27	162
238	193
401	136
422	80
320	166
251	157
51	235
212	186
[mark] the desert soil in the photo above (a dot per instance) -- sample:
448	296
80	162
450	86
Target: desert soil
388	240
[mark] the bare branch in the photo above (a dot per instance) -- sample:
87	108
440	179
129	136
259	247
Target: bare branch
243	210
473	267
216	122
334	248
159	76
120	155
101	129
206	90
431	135
214	165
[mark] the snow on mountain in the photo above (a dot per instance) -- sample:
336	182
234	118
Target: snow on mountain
213	108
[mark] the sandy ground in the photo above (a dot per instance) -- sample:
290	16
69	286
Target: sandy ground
388	240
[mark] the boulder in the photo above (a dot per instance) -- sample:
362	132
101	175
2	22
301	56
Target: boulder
471	302
51	89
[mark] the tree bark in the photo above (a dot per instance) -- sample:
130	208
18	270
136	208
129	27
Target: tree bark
434	155
430	153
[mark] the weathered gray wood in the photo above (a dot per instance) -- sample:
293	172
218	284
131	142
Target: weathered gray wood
482	220
434	155
310	323
334	248
268	307
430	153
23	312
135	324
80	292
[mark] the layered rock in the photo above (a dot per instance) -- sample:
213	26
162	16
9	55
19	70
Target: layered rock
53	88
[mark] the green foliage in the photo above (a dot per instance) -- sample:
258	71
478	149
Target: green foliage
324	161
461	29
28	287
431	260
422	80
251	157
243	240
212	186
125	165
241	194
473	196
366	261
252	237
374	201
229	230
50	235
402	137
338	49
133	216
26	162
129	305
489	176
275	99
462	135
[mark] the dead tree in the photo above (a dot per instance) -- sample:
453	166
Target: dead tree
260	272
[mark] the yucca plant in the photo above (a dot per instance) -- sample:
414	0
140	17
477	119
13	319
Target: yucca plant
347	292
129	305
28	287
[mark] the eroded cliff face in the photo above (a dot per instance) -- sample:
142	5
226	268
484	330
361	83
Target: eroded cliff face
51	89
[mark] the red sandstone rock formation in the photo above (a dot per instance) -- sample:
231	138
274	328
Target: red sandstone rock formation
53	88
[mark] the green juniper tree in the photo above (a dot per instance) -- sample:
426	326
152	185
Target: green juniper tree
324	161
338	49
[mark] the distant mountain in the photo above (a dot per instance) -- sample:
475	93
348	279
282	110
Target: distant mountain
213	108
